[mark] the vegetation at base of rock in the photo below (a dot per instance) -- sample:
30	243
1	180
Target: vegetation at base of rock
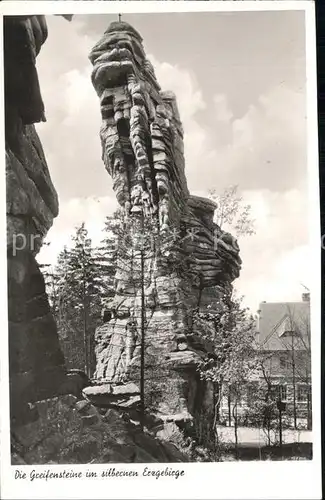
75	287
67	432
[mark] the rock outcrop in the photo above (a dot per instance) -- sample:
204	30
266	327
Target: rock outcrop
35	358
172	259
72	431
187	257
46	427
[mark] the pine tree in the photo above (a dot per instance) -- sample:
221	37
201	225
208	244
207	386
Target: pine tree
127	256
75	288
106	254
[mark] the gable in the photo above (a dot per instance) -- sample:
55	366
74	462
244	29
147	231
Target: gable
280	324
287	328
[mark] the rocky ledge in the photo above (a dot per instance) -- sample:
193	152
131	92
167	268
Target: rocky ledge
68	430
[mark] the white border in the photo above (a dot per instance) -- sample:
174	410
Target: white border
137	6
314	226
294	480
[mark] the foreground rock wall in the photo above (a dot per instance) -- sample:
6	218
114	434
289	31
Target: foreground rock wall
35	360
142	144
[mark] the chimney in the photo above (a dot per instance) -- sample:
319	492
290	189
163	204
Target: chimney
306	297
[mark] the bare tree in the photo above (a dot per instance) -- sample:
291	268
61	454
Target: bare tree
232	213
229	366
297	344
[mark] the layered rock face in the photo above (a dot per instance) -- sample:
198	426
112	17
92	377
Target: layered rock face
188	257
36	361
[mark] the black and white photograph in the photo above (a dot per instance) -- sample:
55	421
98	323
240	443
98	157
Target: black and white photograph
161	217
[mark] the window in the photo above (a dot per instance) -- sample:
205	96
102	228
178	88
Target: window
302	393
251	393
235	396
274	391
284	362
286	328
288	333
283	392
279	392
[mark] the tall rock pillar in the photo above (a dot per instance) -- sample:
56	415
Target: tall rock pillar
142	149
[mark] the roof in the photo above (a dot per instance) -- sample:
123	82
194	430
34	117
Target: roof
278	319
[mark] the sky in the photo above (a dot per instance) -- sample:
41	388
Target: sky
239	79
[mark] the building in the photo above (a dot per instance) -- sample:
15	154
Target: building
284	341
284	353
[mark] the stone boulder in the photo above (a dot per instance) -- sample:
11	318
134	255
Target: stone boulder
72	431
125	396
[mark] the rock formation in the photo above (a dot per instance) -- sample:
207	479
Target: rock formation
69	431
172	259
188	257
35	358
47	427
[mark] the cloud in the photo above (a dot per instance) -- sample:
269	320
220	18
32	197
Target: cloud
191	103
275	259
268	148
278	280
70	136
263	151
92	211
223	112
